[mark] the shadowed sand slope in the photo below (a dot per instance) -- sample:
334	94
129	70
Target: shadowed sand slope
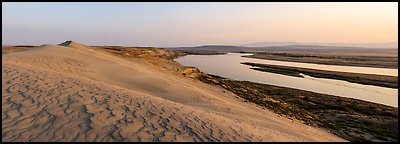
71	92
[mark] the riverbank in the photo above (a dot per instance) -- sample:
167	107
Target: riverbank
351	119
368	79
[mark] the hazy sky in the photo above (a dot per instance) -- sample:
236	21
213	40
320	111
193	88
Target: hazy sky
189	24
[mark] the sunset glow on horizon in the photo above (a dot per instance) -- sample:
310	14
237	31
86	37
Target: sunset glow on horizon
191	24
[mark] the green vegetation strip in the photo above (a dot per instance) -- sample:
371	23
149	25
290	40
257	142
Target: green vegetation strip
368	79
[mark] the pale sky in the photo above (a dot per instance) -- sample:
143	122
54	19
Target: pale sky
192	24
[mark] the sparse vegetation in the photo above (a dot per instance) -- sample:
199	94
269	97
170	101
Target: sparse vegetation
368	79
351	119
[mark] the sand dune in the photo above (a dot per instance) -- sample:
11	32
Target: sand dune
72	92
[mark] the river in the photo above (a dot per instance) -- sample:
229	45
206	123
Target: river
229	66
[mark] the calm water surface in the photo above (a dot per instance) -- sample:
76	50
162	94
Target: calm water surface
229	66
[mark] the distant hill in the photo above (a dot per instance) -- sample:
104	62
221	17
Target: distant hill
212	48
290	46
363	45
227	48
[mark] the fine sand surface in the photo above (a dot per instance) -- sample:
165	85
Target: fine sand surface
76	93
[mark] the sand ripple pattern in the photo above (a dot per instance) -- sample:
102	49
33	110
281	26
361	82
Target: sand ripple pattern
37	109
